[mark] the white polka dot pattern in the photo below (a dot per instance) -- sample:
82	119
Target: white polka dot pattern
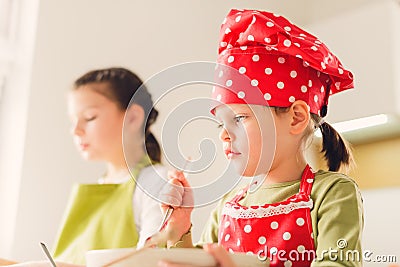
300	221
287	232
286	236
287	263
268	71
254	82
267	96
277	234
301	249
287	43
262	240
227	237
279	58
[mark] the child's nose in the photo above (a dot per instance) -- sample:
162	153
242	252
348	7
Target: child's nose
77	129
224	135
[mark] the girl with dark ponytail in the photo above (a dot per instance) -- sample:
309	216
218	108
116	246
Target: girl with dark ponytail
112	113
337	152
273	84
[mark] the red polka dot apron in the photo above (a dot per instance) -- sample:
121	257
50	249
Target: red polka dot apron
281	232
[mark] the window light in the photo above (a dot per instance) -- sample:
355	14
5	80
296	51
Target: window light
357	124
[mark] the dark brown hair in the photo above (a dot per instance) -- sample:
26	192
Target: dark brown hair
123	85
337	152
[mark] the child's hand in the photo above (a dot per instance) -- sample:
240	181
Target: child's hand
219	253
179	195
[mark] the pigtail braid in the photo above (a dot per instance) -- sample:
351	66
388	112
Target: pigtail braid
336	151
152	146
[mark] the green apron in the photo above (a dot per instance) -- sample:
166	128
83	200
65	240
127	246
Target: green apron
98	216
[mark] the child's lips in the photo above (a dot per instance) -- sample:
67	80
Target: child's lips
230	154
83	146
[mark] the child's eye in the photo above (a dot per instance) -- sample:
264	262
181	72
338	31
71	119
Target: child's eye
91	118
220	125
239	118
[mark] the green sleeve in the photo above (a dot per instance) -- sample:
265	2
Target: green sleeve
210	231
338	226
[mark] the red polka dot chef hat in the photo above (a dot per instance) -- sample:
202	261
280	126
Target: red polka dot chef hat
266	60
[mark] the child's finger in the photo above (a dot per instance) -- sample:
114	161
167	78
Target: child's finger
178	181
172	193
175	174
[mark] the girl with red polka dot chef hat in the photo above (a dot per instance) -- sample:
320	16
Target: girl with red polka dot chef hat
297	216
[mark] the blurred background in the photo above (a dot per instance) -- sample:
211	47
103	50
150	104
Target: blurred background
45	45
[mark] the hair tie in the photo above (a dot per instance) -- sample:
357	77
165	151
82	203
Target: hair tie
320	123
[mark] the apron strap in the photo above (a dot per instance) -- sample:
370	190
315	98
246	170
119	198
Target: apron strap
240	194
307	181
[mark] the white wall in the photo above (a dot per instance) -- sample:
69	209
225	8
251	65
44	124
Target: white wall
381	233
76	36
365	40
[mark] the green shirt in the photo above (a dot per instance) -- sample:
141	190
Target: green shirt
337	215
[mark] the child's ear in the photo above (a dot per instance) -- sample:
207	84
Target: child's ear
134	117
300	117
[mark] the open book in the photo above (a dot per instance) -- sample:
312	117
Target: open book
149	257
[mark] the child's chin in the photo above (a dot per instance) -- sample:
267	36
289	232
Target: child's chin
247	173
252	172
90	157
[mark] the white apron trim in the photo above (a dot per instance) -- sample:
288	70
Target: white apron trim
260	212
